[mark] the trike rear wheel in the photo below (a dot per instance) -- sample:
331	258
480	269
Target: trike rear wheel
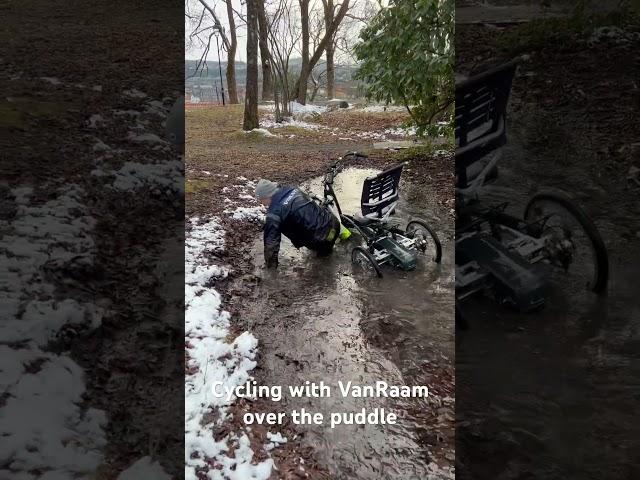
430	243
574	242
363	261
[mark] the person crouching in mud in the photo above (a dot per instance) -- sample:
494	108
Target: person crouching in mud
295	215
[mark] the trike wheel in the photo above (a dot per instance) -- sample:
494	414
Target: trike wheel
573	241
363	261
429	239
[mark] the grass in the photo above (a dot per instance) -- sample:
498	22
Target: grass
10	117
226	122
195	186
425	151
213	121
297	131
15	113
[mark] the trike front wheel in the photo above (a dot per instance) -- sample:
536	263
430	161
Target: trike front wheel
572	239
429	243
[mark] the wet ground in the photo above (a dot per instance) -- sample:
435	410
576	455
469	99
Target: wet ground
552	394
319	321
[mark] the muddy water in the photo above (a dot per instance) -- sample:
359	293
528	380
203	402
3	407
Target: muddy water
553	394
317	321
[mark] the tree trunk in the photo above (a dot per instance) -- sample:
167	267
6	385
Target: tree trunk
331	75
331	72
305	71
251	96
265	56
232	88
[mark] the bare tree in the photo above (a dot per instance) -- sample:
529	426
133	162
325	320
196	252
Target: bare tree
265	55
309	62
205	28
231	55
284	36
251	96
318	81
329	13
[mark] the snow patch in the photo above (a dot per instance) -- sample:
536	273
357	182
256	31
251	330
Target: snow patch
146	138
94	120
43	422
212	356
248	213
52	80
269	122
144	468
612	33
384	109
133	93
134	175
296	107
262	131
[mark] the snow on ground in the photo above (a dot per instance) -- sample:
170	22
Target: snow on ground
385	134
262	131
145	468
212	356
135	175
383	108
612	33
165	177
268	121
296	108
248	213
244	206
44	424
134	93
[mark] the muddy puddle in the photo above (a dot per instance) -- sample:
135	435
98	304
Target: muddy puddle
318	321
550	394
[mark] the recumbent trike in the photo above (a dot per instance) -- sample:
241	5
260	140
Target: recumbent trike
383	241
497	253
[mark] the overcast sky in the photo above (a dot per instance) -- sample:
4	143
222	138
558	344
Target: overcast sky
221	10
195	52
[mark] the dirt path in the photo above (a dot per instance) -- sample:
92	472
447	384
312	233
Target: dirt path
316	321
319	322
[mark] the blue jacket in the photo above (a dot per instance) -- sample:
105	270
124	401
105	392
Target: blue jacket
296	216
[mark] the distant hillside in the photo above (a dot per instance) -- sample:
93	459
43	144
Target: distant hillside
208	77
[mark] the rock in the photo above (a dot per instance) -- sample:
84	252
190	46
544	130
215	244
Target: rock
307	116
336	103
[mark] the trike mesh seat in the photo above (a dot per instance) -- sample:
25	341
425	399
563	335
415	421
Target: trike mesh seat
380	193
481	108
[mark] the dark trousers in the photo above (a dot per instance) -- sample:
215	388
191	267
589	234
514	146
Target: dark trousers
325	247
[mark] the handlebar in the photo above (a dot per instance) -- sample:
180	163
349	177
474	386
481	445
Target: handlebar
355	155
336	166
